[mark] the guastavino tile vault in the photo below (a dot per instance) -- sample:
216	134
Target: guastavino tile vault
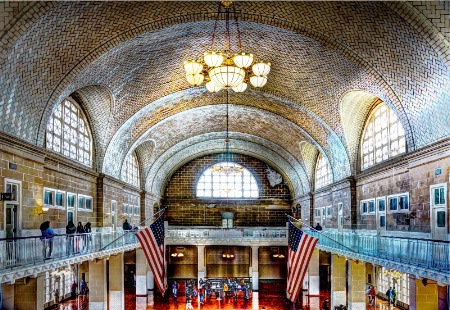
344	124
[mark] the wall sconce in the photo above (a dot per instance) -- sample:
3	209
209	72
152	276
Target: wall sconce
178	253
227	254
45	209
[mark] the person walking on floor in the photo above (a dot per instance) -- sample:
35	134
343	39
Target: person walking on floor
389	296
373	296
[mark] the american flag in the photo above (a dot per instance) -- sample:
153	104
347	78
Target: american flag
152	242
301	247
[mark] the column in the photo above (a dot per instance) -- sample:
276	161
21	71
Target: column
116	282
8	296
29	294
254	269
141	273
150	279
313	272
356	285
97	284
338	280
427	295
412	292
201	271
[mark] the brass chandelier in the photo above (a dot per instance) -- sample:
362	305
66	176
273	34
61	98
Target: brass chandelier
224	70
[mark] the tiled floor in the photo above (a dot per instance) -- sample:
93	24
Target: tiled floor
270	297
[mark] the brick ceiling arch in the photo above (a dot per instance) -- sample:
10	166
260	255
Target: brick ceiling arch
322	50
156	182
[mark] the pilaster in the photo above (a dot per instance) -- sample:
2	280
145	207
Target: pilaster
338	281
116	282
97	285
356	285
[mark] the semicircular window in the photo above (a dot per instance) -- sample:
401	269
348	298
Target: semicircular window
227	180
68	133
383	137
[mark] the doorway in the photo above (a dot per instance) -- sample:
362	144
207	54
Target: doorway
439	225
12	209
380	213
340	217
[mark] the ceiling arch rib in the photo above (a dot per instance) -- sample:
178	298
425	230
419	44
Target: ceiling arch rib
203	119
157	181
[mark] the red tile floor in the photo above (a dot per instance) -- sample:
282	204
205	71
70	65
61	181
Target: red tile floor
270	297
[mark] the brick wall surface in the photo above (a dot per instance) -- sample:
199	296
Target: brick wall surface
185	209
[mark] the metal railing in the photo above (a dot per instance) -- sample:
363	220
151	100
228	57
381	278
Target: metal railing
426	253
32	250
247	233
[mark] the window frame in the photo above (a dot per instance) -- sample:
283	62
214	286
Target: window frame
398	209
367	202
53	193
244	182
328	211
82	207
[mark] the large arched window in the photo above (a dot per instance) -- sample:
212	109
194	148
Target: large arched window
323	173
68	133
383	136
130	170
232	182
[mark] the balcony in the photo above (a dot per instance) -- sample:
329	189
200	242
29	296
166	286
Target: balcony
22	257
424	258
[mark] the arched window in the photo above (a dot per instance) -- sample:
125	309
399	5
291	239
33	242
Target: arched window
384	136
68	133
232	181
130	170
323	173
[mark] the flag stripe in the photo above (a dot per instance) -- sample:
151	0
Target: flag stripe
152	242
301	247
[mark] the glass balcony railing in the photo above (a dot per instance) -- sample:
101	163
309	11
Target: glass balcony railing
425	253
24	251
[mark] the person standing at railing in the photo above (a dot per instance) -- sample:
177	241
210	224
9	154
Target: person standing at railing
79	238
389	296
70	231
318	227
47	239
88	238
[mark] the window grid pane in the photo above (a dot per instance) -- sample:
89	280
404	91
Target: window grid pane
232	185
130	170
384	137
67	134
323	173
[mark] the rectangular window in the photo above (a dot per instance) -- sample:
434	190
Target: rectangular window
382	205
48	197
89	203
113	206
317	212
71	200
125	209
329	211
440	218
59	199
364	207
371	206
81	202
403	203
393	204
136	210
439	196
382	220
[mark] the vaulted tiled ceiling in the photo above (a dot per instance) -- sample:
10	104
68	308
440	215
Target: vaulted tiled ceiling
122	61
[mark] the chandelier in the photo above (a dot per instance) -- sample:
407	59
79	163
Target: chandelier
221	70
227	165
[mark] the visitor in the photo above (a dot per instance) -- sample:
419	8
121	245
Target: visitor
88	237
79	239
174	289
394	296
47	235
56	298
318	227
373	296
70	231
389	296
73	289
126	226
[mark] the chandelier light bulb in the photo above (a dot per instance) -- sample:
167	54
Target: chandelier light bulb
213	59
243	60
240	88
261	69
258	81
227	76
195	79
193	67
212	87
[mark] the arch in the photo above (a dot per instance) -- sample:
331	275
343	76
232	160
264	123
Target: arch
68	133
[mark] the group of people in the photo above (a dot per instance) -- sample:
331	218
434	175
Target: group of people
391	294
78	237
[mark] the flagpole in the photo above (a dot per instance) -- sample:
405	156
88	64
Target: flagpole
303	223
147	219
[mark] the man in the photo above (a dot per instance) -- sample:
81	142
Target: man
73	289
389	296
373	295
318	227
47	239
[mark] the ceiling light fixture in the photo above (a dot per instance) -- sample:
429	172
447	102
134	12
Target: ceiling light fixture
221	70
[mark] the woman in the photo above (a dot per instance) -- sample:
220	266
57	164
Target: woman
87	237
70	230
79	241
47	239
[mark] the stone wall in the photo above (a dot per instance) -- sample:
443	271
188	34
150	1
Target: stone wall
184	208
